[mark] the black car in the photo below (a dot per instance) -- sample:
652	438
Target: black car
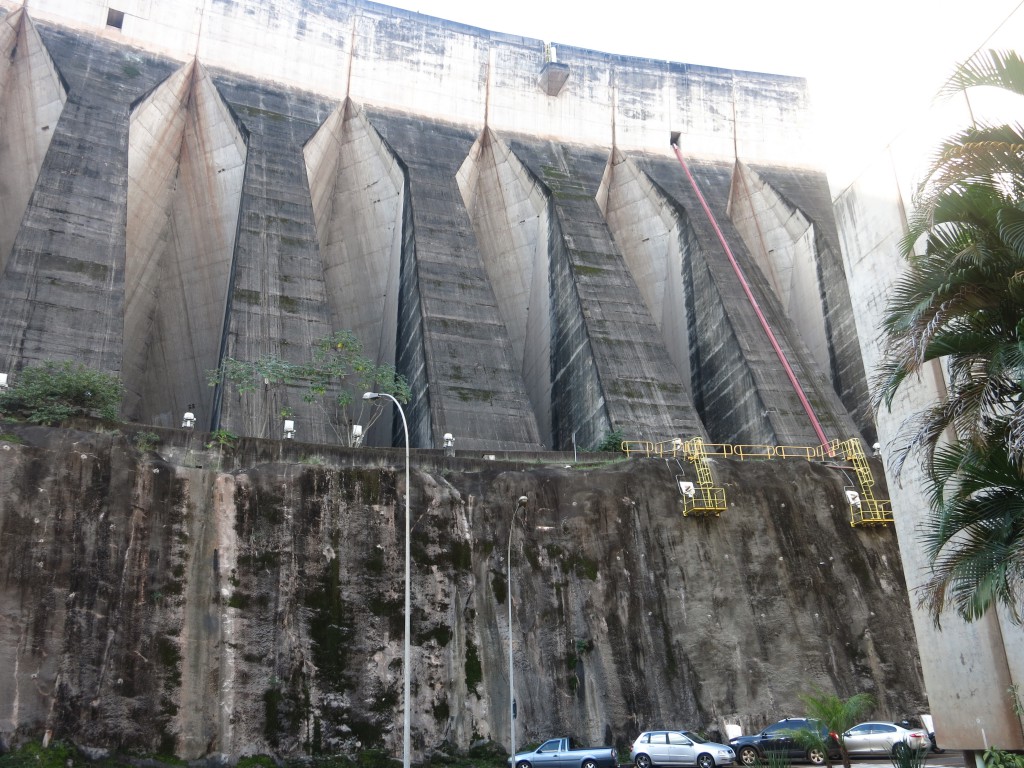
782	739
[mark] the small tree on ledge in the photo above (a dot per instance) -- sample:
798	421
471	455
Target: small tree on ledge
333	381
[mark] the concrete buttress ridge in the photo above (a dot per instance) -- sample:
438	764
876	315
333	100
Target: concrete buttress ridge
535	291
32	96
186	160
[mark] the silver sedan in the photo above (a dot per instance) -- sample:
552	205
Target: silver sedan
882	738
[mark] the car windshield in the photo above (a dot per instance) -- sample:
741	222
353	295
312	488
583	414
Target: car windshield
695	738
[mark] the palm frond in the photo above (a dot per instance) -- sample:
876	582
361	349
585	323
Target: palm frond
977	540
997	68
960	304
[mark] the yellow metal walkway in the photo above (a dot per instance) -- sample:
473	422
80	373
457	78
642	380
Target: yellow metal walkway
705	498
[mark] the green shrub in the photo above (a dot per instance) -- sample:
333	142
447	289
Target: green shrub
998	758
52	392
32	755
907	757
222	438
256	761
612	442
146	441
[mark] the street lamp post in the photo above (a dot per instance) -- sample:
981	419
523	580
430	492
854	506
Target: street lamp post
520	504
405	647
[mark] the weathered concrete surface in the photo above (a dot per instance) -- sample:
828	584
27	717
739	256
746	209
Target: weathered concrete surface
610	369
476	390
32	96
251	219
64	283
277	301
250	601
511	218
62	291
740	387
798	231
186	161
393	59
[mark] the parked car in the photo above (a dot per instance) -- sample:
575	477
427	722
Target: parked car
564	753
926	724
781	739
881	738
658	748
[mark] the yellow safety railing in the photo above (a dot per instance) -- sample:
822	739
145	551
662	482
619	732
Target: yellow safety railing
705	501
704	497
798	452
644	447
671	448
754	451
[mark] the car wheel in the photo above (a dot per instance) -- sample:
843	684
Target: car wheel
816	756
523	764
705	761
747	755
643	761
589	764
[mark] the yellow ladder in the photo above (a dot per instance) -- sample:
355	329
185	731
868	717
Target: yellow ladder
865	509
706	498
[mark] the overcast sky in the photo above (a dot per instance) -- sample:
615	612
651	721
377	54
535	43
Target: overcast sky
870	64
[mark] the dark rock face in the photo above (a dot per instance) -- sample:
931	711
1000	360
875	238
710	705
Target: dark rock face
250	600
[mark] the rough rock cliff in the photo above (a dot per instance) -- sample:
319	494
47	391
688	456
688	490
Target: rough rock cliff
249	599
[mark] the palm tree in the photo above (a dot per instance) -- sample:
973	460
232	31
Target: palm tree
838	716
982	154
977	543
960	302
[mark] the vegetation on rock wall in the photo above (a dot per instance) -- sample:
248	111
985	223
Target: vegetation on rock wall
60	754
333	380
612	442
297	574
474	671
52	392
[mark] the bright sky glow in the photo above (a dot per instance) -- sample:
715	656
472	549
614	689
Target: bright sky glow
871	65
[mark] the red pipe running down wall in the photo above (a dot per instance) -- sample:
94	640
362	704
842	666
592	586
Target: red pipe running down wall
750	297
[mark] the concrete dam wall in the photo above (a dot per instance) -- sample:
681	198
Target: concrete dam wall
203	601
186	183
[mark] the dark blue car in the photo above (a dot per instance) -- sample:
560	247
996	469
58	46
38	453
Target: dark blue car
783	739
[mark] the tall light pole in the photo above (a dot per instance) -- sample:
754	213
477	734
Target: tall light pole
520	504
405	647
